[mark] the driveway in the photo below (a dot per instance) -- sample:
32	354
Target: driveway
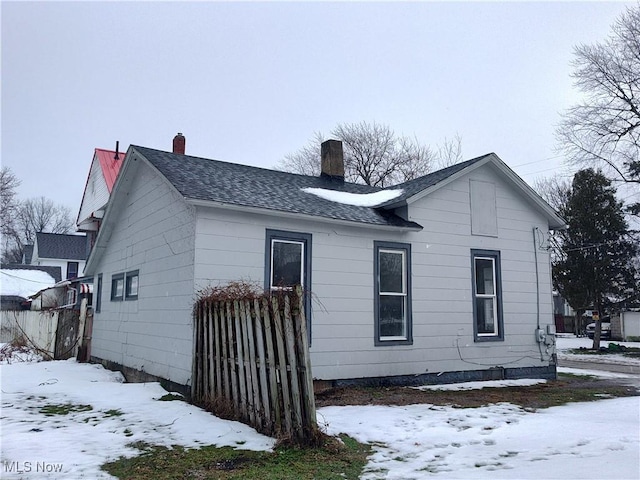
593	364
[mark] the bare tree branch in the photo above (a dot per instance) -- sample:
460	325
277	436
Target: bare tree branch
375	155
604	129
8	204
33	216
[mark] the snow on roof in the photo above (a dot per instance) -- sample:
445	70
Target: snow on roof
24	283
357	199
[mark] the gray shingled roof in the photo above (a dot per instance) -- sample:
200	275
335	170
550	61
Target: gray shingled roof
58	245
412	187
241	185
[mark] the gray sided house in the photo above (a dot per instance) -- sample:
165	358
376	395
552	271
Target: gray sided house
442	278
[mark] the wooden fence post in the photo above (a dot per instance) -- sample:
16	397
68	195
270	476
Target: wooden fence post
291	354
264	387
217	339
246	360
271	362
232	357
303	339
253	365
282	361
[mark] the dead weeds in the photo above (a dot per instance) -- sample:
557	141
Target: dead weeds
566	389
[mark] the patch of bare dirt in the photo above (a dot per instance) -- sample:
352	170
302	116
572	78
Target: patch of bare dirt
558	392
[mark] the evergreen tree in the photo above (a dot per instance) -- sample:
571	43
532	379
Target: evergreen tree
595	265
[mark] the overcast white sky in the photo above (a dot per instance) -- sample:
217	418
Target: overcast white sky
251	82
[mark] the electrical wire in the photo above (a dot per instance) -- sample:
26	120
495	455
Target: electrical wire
25	279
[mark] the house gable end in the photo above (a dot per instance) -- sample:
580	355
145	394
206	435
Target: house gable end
100	181
499	167
132	163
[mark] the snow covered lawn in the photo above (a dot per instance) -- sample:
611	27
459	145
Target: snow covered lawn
579	441
105	415
63	420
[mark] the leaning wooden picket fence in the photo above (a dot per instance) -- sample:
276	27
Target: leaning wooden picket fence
252	357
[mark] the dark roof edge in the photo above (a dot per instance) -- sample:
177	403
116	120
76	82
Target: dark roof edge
407	225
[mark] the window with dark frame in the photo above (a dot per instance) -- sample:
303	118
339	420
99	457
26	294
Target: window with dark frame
117	287
392	298
288	263
98	302
487	295
72	269
131	285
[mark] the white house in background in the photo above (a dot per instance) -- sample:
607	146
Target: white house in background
439	279
102	176
69	252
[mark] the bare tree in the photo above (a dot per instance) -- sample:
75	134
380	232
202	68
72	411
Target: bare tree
555	190
33	216
604	129
449	152
305	161
8	203
375	155
42	215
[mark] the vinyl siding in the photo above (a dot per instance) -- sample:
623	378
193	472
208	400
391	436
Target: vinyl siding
154	233
96	194
180	249
230	246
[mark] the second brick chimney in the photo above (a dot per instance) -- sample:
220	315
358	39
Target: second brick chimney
179	144
332	165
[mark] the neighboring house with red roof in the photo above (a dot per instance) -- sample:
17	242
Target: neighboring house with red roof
102	176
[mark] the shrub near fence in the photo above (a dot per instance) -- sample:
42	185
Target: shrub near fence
252	356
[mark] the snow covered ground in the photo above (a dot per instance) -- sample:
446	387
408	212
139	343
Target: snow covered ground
577	441
566	342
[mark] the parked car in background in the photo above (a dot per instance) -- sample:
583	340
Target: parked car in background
605	328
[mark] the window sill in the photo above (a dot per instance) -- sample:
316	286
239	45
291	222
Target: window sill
390	342
489	339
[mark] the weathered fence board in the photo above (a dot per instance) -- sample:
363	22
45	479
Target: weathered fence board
38	327
252	355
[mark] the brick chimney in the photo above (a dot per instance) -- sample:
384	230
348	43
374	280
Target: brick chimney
179	143
332	165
